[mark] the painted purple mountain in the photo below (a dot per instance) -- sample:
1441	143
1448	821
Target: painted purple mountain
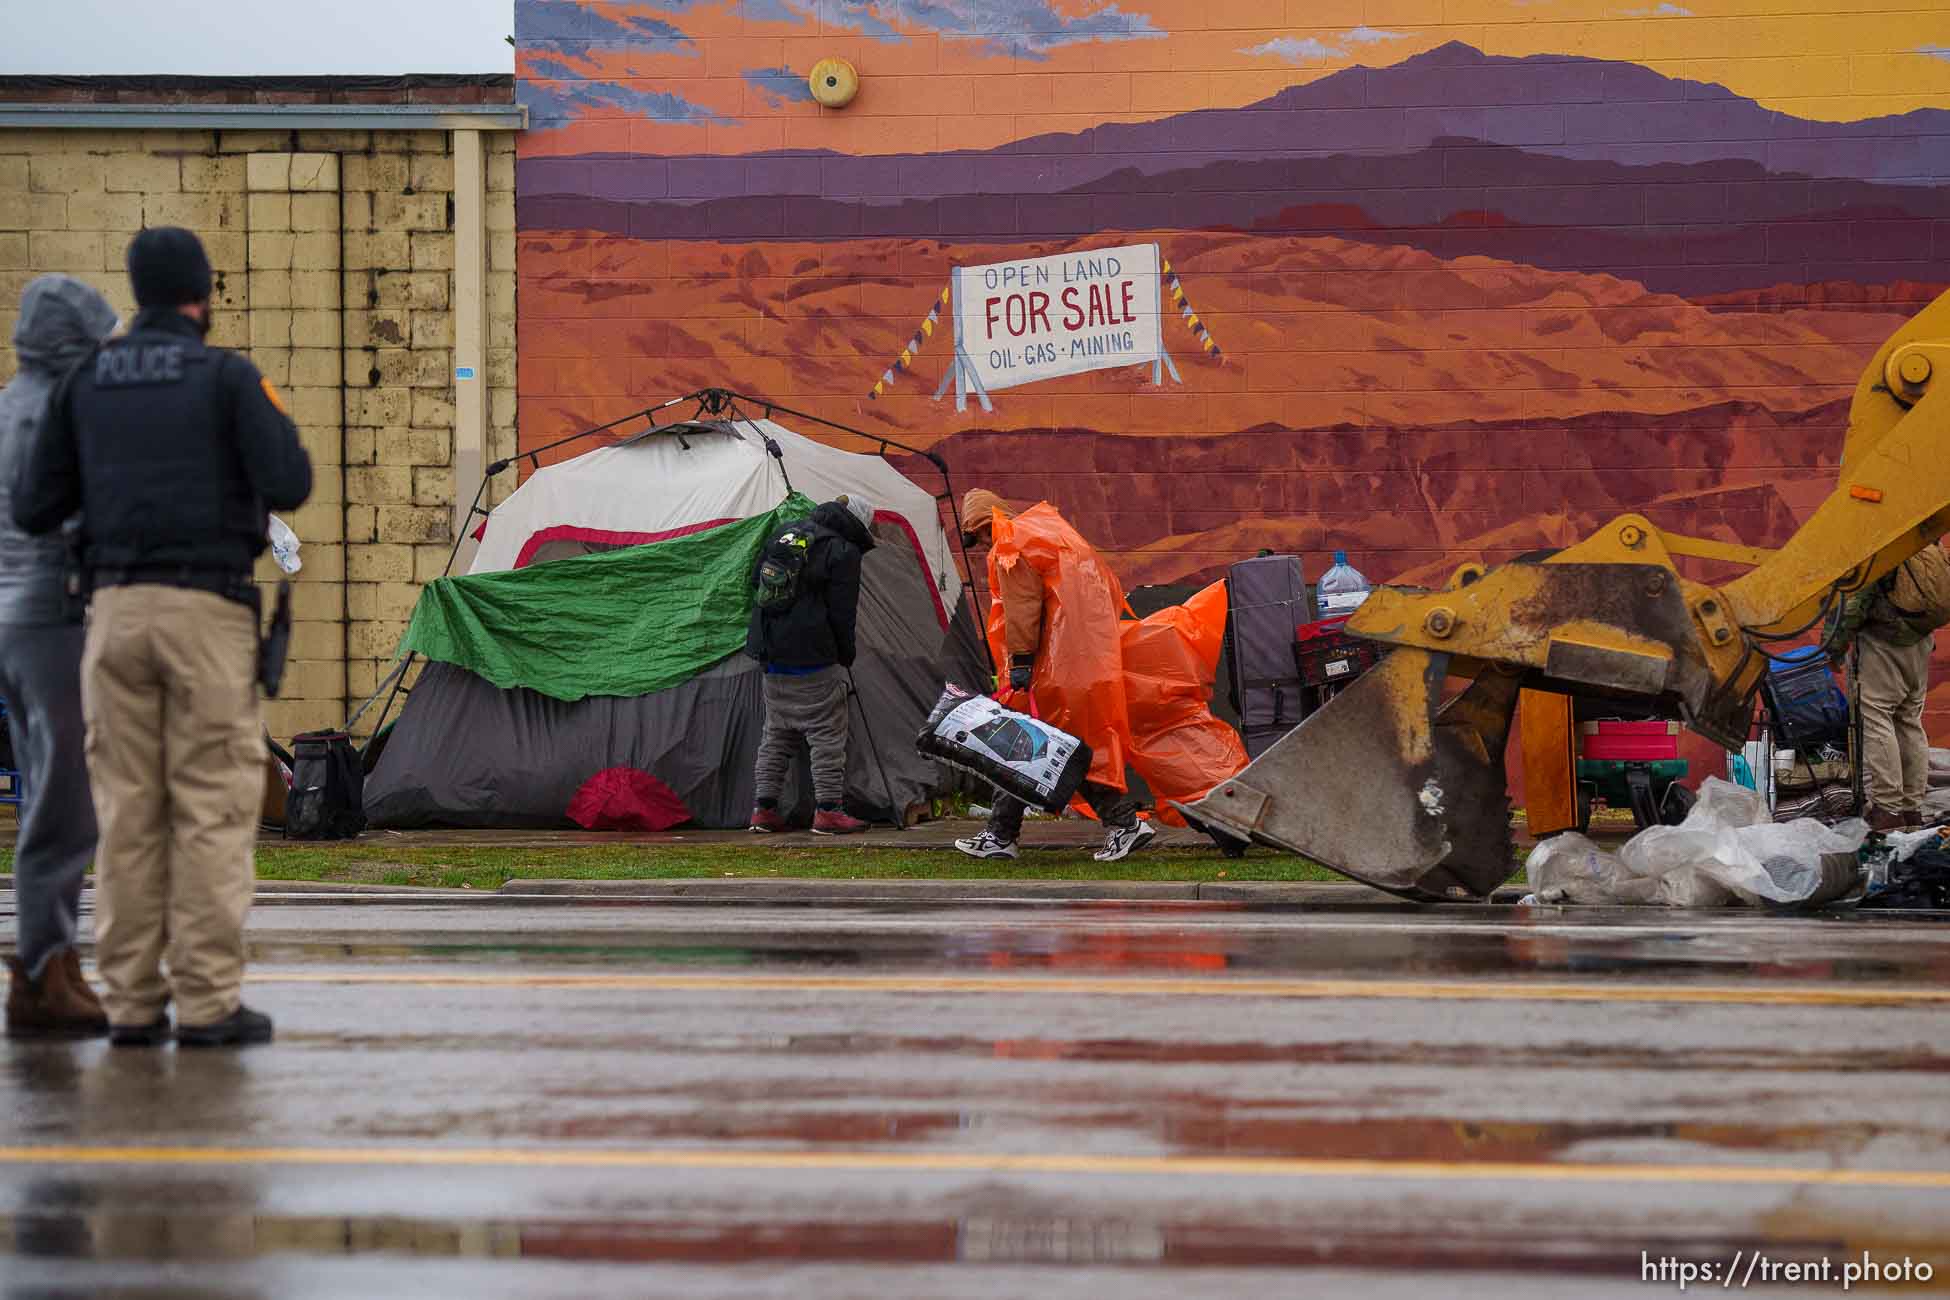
1563	162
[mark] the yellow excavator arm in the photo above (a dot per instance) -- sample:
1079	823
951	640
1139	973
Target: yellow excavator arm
1399	780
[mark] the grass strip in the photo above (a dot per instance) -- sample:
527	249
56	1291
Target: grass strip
466	867
489	867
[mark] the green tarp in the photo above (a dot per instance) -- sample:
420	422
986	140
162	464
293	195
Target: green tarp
625	622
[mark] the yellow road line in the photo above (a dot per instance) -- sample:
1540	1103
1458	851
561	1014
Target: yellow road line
1164	986
948	1162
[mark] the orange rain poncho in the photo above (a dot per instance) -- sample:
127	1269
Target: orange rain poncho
1136	692
1177	746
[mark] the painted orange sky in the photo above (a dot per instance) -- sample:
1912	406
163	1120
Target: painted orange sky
927	88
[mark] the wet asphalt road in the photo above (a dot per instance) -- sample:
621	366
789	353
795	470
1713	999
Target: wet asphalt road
522	1097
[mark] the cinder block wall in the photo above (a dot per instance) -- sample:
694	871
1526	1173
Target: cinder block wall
334	256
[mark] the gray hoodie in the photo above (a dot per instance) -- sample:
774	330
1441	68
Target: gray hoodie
61	318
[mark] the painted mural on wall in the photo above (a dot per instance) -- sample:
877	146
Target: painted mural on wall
1461	290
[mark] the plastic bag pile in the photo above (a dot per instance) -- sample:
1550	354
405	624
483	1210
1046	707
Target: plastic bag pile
1727	849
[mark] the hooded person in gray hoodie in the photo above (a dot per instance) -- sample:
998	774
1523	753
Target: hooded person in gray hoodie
61	321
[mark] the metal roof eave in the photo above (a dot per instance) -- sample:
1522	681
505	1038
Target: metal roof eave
265	117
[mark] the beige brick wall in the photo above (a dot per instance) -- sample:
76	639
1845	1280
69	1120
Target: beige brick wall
334	256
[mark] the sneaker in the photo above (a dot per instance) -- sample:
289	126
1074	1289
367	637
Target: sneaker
238	1029
987	845
769	821
836	823
57	1005
1123	841
153	1034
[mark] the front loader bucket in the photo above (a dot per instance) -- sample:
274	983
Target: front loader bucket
1386	784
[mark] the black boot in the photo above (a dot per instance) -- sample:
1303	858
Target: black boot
153	1034
238	1029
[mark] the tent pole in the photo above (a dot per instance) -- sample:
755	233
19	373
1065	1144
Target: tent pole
933	458
646	413
472	510
490	472
896	814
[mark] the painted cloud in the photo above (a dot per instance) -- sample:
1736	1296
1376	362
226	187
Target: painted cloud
1028	29
1309	49
780	85
559	22
552	104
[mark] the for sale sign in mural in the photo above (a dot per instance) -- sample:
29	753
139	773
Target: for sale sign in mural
1045	317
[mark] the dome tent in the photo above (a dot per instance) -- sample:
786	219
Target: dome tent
602	621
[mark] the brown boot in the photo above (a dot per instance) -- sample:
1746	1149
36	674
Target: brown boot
71	958
58	1005
1884	821
1912	820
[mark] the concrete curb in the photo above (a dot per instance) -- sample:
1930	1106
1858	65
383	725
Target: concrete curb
320	887
828	891
801	891
1249	893
329	887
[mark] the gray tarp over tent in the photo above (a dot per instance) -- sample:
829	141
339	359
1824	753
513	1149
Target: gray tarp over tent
468	752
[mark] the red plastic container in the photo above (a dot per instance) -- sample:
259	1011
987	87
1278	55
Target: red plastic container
1628	742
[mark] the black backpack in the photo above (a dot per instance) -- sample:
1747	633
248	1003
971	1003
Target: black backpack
327	788
782	566
1807	707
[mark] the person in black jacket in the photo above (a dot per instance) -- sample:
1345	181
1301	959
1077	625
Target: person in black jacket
807	582
173	452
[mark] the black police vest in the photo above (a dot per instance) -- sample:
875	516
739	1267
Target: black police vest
163	482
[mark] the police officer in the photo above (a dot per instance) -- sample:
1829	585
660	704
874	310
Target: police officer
173	452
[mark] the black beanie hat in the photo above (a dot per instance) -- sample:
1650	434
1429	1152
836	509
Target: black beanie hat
168	267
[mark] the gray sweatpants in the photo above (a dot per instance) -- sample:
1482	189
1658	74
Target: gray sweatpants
40	679
811	707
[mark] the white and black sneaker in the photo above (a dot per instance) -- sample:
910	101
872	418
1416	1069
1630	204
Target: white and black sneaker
1123	841
987	845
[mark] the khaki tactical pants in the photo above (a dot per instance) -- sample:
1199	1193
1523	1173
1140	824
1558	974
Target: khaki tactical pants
1890	684
176	758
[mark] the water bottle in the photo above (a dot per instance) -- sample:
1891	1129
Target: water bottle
1877	857
1342	587
284	546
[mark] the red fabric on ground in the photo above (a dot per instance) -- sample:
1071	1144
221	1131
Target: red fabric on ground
626	799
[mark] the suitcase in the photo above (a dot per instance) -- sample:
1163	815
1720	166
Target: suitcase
1266	599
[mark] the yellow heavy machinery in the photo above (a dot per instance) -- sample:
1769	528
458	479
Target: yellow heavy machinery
1399	781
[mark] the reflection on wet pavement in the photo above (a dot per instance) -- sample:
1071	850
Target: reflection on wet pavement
1713	1112
99	1233
1187	939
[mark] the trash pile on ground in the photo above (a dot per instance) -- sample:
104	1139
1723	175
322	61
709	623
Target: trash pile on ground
1909	872
1936	800
1728	848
